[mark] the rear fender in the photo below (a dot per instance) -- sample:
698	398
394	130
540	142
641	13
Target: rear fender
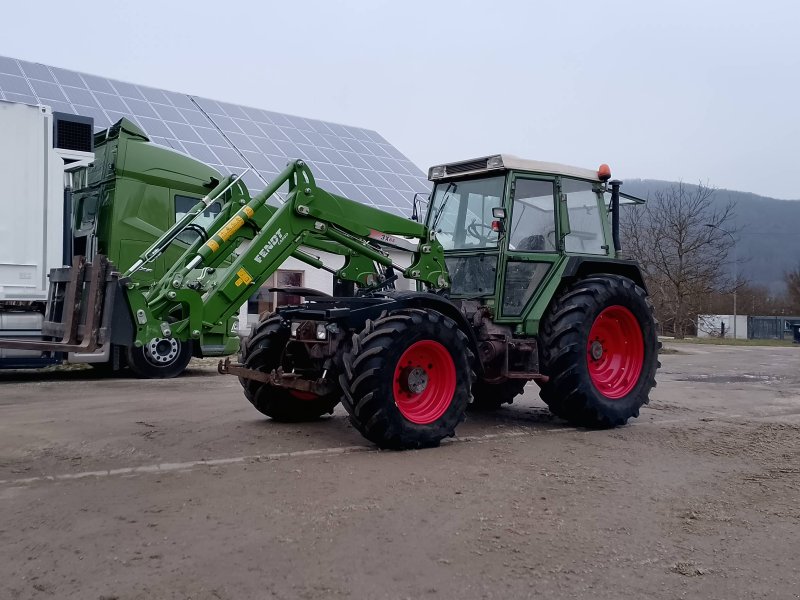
573	269
579	267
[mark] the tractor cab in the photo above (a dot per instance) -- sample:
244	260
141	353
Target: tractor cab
509	225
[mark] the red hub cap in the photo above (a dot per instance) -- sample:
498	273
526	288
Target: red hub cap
424	382
615	352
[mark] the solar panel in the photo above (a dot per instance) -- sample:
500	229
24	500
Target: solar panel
351	161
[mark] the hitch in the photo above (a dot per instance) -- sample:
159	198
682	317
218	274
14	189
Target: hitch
278	378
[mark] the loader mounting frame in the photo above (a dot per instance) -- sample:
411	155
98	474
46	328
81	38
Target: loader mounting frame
79	308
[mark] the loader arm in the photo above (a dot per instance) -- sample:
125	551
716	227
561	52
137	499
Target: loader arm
232	192
199	293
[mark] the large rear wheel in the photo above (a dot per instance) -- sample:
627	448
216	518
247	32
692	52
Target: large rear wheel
407	379
600	350
263	350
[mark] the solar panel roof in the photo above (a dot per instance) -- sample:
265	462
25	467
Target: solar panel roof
351	161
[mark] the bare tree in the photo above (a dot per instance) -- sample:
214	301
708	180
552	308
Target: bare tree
753	300
680	240
792	279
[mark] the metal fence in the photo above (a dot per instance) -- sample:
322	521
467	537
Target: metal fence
772	328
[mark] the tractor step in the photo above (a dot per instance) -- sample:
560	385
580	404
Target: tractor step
79	306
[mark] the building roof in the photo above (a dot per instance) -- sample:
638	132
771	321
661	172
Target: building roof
354	162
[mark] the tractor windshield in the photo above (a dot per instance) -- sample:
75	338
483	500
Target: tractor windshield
461	212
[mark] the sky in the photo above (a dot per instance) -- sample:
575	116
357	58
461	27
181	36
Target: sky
694	91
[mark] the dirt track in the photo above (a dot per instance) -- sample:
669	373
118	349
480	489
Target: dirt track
140	489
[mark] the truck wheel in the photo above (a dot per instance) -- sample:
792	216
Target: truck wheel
263	351
161	358
407	379
491	396
600	350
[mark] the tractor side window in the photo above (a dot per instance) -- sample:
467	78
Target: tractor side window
585	218
522	281
473	275
183	204
533	223
461	213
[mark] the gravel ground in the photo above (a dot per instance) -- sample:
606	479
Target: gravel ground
118	488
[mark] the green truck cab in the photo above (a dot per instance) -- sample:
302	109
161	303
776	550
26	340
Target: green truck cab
132	193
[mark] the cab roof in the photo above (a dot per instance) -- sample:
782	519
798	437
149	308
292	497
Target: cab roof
499	162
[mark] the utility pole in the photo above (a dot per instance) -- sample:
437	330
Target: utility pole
735	273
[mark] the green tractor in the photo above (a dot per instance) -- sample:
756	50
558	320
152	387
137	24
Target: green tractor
518	278
533	289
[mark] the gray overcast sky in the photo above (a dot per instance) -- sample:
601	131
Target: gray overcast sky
672	90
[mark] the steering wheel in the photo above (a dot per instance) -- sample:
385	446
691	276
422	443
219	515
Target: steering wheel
475	228
551	238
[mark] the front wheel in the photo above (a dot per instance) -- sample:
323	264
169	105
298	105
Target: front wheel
264	350
160	358
600	350
407	379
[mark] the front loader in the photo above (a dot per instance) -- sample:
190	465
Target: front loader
519	278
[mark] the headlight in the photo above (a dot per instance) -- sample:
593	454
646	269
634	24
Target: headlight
295	327
436	172
322	333
494	162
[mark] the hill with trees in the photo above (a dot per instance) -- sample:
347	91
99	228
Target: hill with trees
767	231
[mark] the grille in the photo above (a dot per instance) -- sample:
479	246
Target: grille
470	165
73	132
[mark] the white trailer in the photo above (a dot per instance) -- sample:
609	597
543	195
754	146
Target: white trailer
38	151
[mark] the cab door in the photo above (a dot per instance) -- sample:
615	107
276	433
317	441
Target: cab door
532	240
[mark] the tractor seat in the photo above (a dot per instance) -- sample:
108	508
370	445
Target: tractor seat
532	243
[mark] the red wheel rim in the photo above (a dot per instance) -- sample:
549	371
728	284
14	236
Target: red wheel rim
301	395
615	352
424	382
